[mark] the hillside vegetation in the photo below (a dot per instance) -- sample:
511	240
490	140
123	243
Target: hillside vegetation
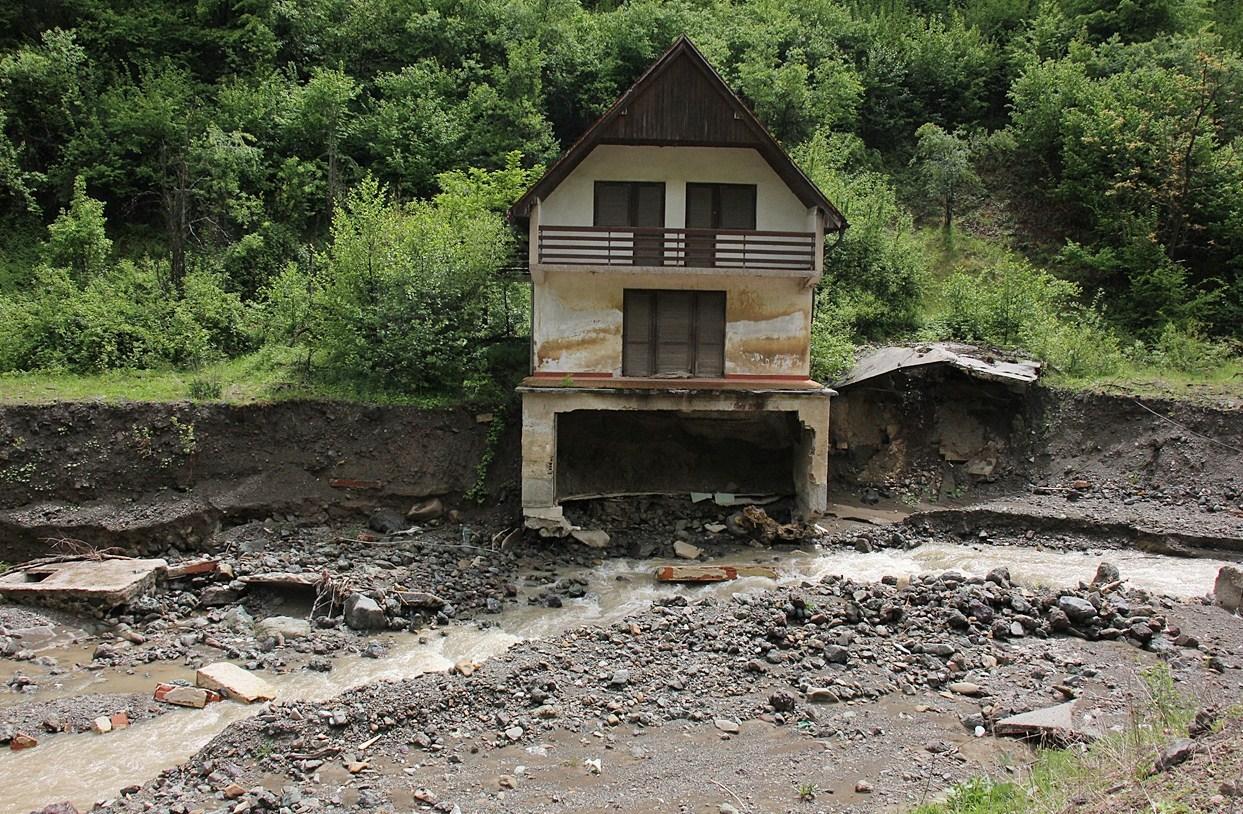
318	187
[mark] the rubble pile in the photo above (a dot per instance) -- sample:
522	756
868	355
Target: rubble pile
784	656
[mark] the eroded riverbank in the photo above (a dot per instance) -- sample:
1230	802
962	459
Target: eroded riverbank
613	591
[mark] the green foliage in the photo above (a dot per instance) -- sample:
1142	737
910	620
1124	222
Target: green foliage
874	276
223	143
979	795
1014	305
77	239
401	298
202	389
943	165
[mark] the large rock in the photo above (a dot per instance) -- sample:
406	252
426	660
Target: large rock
233	682
1228	589
287	627
364	613
1079	611
592	538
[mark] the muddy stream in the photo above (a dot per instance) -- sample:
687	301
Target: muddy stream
84	768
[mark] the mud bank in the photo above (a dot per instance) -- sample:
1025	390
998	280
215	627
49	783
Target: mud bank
78	452
939	434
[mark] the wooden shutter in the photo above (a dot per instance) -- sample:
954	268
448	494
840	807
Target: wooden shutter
737	207
638	341
674	337
710	334
612	206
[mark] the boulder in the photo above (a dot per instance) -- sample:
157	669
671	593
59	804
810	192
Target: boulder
386	521
1106	573
233	682
1228	589
287	627
364	613
1079	611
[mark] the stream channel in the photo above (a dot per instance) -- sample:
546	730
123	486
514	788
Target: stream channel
85	768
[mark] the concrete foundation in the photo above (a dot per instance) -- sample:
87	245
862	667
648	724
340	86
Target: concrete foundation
803	405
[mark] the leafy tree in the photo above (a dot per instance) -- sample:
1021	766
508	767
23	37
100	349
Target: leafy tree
943	165
78	239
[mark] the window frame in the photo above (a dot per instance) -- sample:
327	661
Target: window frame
649	367
716	187
632	202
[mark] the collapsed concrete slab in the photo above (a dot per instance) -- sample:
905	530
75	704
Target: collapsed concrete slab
233	682
1064	723
89	586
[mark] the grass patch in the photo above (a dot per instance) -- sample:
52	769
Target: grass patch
1117	761
271	374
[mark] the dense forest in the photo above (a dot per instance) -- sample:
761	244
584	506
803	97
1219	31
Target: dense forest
324	181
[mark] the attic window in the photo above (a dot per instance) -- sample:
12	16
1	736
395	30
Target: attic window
675	334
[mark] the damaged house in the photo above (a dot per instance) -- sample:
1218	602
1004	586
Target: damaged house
674	251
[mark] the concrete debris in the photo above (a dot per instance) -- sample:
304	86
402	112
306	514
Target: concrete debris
712	573
1063	723
428	509
233	682
177	695
548	522
192	568
1228	589
978	362
592	538
22	741
92	585
687	551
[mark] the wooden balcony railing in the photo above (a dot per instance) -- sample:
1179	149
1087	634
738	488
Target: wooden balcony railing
695	248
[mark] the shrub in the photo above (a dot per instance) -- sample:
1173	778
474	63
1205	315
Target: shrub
1186	350
205	389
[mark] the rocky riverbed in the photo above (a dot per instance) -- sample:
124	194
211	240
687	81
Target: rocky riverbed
878	689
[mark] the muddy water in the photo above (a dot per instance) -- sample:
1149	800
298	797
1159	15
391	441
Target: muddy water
84	768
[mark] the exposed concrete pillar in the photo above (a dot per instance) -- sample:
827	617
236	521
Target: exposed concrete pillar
811	464
539	452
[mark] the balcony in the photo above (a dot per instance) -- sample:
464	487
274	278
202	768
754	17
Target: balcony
651	248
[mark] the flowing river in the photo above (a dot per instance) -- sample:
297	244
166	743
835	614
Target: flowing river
85	768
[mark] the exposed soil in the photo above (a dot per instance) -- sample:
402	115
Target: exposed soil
872	696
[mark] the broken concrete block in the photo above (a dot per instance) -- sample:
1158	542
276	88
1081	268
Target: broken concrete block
97	584
592	538
191	568
101	725
196	697
711	573
22	741
233	682
1063	723
428	509
686	551
1228	589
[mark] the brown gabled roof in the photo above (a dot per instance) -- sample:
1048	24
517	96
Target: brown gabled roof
682	101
